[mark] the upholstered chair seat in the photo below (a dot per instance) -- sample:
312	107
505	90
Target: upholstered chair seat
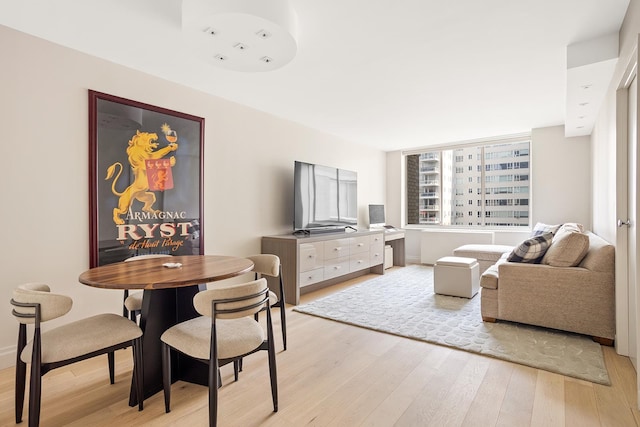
238	336
83	337
273	298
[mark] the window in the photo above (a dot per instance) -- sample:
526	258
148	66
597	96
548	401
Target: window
495	177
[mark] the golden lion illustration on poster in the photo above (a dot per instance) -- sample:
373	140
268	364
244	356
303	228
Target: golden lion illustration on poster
141	152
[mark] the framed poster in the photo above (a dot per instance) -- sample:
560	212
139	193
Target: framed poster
146	177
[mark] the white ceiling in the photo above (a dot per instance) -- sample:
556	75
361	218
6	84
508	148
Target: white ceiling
388	74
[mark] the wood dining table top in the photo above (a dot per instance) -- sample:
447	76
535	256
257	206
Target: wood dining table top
152	274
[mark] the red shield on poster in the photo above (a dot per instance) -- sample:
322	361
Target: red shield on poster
159	174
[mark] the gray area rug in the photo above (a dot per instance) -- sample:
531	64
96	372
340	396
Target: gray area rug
402	302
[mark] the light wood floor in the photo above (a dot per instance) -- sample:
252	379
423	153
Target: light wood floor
338	375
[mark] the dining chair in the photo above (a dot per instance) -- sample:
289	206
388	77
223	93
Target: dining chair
105	333
225	332
269	265
132	304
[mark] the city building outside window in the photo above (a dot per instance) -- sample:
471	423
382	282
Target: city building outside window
498	171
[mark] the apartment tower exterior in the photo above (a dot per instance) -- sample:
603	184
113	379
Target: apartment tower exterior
486	185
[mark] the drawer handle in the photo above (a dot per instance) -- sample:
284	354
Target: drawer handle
337	267
310	256
360	244
337	248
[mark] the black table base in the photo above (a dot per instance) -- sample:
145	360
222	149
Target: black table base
162	309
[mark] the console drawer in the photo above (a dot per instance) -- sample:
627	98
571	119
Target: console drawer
311	256
376	254
310	277
359	244
359	261
335	268
377	239
336	248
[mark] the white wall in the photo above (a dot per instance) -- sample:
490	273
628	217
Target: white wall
248	173
561	173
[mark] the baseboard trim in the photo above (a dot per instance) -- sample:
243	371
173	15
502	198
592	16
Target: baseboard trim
7	357
413	259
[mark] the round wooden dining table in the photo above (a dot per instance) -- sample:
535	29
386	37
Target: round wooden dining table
169	286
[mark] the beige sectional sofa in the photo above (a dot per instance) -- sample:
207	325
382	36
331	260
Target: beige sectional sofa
577	298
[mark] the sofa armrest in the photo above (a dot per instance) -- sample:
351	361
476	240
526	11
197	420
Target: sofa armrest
569	298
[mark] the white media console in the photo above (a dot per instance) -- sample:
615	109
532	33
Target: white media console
315	261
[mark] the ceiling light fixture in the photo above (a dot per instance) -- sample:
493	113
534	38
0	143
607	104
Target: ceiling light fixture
241	35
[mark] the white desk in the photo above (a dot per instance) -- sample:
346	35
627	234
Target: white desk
395	238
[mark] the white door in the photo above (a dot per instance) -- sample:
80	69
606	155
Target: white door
632	252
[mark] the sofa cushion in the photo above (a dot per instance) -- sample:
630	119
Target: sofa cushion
541	228
601	255
482	252
568	249
489	278
531	250
570	227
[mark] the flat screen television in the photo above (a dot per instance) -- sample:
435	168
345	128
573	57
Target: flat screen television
325	198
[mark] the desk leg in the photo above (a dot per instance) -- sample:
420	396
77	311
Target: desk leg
398	251
161	309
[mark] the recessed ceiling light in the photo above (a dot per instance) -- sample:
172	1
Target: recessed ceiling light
266	59
586	86
263	34
240	46
220	57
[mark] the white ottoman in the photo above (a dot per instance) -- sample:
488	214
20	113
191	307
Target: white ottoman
456	276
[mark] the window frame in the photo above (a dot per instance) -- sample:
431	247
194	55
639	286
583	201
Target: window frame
486	214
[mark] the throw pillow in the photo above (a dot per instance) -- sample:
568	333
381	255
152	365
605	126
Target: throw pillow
542	228
531	250
568	249
572	227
